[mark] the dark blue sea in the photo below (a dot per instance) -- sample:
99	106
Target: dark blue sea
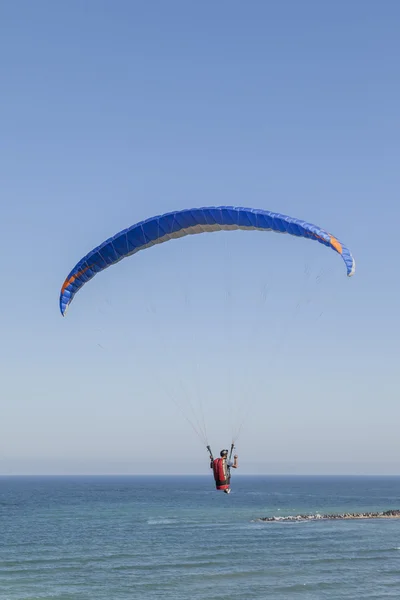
120	538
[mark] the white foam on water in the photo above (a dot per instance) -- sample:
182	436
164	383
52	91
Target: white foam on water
161	521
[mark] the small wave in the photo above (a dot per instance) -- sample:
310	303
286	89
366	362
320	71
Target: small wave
161	521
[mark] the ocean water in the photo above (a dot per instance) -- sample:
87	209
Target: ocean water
176	538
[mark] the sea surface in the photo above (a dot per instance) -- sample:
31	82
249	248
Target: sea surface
176	538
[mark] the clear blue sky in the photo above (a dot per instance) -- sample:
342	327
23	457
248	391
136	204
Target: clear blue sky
112	112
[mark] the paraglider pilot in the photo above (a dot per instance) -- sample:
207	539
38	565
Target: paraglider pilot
222	469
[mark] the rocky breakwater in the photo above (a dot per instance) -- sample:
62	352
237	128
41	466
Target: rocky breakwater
387	514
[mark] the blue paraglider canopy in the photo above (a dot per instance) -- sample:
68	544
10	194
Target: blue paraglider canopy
163	228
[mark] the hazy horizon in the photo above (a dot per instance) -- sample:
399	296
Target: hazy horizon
124	468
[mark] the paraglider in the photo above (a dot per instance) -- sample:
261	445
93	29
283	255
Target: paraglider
222	469
163	228
177	224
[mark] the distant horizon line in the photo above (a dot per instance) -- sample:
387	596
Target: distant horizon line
237	475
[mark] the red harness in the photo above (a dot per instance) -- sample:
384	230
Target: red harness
221	474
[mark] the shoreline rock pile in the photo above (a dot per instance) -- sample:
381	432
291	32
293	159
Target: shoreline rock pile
387	514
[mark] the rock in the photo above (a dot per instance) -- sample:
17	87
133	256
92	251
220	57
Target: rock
387	514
